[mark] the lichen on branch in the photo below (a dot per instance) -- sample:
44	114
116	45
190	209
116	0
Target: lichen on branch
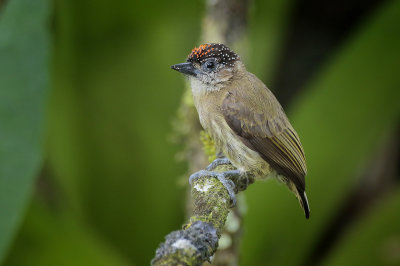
225	22
198	240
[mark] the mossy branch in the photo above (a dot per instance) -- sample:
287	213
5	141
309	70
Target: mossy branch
225	21
198	240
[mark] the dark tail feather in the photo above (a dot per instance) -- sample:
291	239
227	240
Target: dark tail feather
304	203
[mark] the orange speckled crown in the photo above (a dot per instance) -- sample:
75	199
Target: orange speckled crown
219	51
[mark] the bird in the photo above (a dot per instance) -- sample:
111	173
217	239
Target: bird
245	120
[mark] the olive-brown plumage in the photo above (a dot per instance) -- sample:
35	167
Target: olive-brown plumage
244	118
264	128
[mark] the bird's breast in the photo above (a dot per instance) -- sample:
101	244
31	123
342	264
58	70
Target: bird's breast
233	147
226	140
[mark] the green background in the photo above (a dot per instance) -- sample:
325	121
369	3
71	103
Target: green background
89	176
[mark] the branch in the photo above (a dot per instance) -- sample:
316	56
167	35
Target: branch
198	240
225	21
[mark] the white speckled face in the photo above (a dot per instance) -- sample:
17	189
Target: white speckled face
208	82
214	64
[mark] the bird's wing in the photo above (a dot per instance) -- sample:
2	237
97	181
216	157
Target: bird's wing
264	128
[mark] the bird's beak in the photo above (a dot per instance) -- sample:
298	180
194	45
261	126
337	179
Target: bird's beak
185	68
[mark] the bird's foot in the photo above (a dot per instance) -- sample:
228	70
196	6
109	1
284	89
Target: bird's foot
223	177
217	162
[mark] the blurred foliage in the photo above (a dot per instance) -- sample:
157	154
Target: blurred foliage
24	74
108	191
374	240
267	24
208	146
60	240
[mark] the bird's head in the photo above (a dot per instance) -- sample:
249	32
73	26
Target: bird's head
211	64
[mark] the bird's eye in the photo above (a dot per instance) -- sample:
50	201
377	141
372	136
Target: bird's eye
209	65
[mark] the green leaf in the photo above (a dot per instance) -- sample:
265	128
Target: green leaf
55	238
341	119
374	240
110	116
24	56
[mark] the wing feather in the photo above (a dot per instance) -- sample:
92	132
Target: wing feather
264	128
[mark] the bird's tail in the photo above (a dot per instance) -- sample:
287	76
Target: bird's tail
302	196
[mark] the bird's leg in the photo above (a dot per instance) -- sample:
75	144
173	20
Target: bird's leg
228	179
233	180
221	176
220	154
217	162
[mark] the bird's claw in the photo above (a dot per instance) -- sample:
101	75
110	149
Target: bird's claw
222	177
197	175
217	162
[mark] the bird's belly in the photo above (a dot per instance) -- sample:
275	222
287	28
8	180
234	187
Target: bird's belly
241	156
